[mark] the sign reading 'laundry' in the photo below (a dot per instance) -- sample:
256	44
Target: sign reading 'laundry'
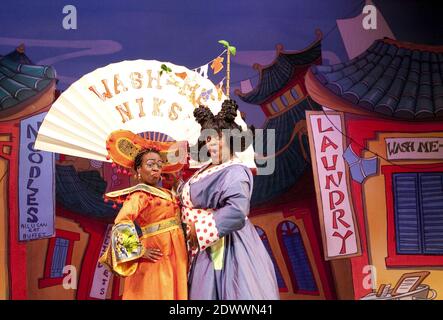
414	148
337	220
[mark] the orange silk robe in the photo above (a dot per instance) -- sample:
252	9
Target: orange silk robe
165	279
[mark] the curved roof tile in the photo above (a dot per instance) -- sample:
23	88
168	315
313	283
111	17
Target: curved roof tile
392	78
21	80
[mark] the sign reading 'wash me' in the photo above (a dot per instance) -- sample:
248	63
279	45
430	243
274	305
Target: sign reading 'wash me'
414	148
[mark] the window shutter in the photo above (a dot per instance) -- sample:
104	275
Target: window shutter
59	257
407	217
432	210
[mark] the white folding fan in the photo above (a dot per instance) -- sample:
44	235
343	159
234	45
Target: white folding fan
138	96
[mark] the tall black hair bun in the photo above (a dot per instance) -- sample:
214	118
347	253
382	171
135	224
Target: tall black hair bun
203	114
228	110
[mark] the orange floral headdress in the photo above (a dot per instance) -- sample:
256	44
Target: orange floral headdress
123	146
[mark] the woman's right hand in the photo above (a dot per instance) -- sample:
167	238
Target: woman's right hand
153	254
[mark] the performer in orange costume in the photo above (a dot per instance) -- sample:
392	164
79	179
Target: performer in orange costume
155	262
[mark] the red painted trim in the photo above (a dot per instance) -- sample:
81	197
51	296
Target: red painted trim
404	260
47	281
362	129
17	264
96	230
48	260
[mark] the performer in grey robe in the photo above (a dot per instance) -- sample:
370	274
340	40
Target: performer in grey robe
228	258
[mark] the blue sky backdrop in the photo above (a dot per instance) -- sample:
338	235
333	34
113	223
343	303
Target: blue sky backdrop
187	32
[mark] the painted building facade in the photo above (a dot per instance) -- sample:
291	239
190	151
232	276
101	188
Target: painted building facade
390	102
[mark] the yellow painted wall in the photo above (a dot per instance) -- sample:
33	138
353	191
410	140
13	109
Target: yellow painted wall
269	222
376	216
4	274
36	262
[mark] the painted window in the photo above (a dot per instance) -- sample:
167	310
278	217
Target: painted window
275	106
264	238
59	257
418	212
284	101
295	94
297	259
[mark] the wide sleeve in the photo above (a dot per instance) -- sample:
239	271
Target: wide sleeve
125	247
232	210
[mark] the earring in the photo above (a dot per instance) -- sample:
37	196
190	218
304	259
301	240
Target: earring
139	176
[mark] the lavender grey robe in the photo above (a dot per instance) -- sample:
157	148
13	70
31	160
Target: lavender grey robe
247	271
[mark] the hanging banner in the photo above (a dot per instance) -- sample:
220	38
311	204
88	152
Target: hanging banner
337	218
203	71
36	184
102	276
217	64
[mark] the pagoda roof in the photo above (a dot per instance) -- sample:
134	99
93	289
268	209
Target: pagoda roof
391	78
275	76
82	192
21	80
291	154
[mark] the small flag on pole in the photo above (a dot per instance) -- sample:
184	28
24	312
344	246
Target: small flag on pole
182	75
203	71
217	65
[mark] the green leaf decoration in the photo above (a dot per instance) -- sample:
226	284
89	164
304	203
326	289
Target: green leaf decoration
165	68
224	42
232	50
